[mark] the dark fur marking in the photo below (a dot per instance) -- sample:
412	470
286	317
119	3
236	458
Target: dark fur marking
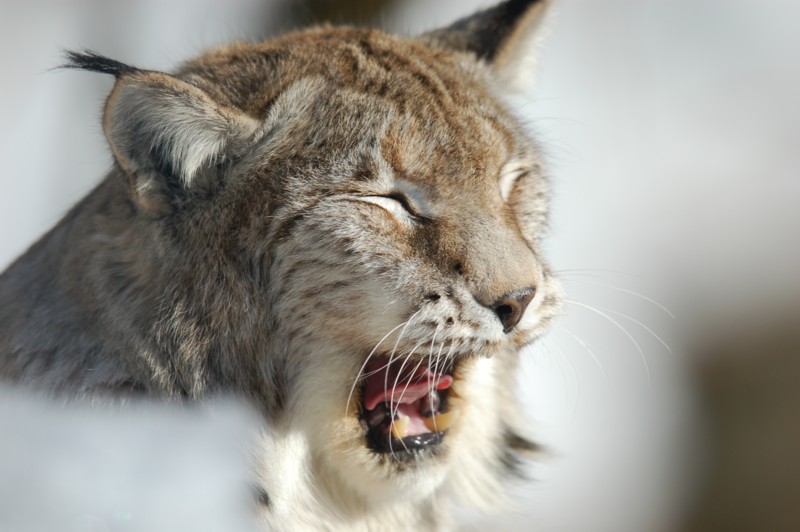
485	32
512	453
95	62
261	496
280	389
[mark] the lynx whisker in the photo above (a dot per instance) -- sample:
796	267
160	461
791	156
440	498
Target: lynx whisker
596	272
430	360
397	343
621	328
642	325
407	383
430	354
435	371
360	375
573	372
393	410
627	291
556	365
583	344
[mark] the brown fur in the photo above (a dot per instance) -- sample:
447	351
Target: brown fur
261	268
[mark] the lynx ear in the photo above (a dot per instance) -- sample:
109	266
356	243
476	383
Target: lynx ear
164	131
505	36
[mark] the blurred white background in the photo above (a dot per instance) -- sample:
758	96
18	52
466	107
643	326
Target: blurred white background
672	133
148	468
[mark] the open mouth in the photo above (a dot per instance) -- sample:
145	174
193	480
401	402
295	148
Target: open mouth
404	406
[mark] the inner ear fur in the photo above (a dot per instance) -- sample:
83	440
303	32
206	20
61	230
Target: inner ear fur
163	131
505	36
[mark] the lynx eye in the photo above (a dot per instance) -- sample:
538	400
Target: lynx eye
396	203
404	202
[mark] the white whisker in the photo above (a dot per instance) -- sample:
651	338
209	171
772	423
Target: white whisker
439	356
371	353
627	291
399	373
558	367
394	349
430	355
404	325
621	328
642	325
574	408
436	372
590	271
588	349
430	363
393	411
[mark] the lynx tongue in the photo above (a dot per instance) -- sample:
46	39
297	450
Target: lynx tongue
403	402
398	385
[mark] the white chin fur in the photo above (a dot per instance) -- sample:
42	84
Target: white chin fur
381	483
339	471
336	443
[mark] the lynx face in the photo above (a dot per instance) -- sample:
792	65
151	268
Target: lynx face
405	279
340	226
406	273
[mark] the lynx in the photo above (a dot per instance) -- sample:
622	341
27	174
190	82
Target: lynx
339	226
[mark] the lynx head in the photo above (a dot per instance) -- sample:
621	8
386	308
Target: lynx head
347	226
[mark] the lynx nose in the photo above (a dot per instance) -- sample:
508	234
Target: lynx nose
511	307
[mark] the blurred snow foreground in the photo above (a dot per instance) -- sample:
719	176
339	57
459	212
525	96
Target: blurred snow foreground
144	467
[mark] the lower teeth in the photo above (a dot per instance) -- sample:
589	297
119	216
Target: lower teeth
440	422
400	427
399	424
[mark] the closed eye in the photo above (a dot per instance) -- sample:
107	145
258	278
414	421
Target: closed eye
401	198
396	203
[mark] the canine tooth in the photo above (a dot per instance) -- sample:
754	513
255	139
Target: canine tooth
440	422
400	427
430	404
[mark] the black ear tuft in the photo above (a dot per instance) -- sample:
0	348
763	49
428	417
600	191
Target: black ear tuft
485	32
505	36
97	63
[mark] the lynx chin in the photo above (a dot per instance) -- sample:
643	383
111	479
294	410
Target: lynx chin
339	226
